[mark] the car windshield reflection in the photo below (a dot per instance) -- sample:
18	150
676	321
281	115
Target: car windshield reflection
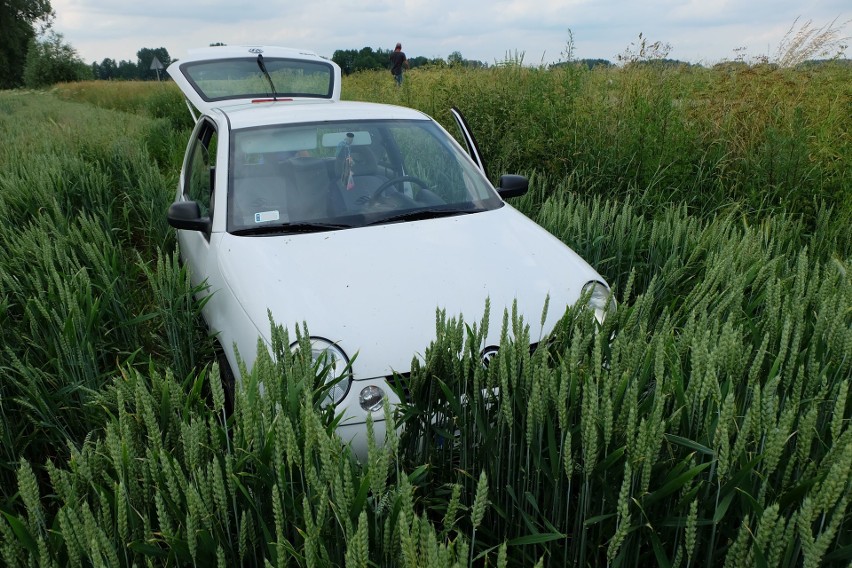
329	176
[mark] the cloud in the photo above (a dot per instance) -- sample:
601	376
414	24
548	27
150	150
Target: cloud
486	31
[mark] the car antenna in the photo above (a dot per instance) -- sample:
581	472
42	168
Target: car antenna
262	66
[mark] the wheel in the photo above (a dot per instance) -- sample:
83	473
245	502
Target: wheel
382	188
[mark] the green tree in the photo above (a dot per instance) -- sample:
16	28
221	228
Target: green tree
455	59
352	60
146	55
106	69
420	61
345	58
50	60
366	59
127	70
20	22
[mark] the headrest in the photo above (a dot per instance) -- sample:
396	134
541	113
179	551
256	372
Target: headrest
364	161
307	163
306	172
263	169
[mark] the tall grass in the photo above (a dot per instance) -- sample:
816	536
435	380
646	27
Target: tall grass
156	100
764	138
80	221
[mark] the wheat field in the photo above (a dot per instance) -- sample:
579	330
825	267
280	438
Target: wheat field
708	424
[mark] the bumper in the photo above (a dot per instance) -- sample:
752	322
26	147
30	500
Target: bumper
355	436
353	427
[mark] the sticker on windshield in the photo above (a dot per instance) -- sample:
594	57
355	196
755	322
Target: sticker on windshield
266	216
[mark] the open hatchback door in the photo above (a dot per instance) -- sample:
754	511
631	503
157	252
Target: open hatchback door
226	76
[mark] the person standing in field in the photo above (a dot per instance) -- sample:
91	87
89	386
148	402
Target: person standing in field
398	61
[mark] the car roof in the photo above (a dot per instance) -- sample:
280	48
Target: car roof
291	112
221	76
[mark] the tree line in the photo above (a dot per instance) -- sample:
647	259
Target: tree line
367	59
139	70
34	55
49	59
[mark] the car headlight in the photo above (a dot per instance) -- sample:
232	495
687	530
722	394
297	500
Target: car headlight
334	361
600	299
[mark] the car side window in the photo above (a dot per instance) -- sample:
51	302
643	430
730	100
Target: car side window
199	172
426	157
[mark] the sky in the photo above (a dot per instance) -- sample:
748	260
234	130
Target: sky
698	31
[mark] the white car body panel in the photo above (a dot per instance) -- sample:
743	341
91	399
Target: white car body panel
345	284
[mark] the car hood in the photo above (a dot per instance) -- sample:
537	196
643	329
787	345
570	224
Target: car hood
374	290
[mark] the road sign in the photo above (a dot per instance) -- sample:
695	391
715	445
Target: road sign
155	64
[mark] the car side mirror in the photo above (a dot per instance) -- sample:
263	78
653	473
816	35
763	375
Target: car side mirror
187	215
512	186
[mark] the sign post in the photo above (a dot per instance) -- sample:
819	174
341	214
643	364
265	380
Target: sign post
155	64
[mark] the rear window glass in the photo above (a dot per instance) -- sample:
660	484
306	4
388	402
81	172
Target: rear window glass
243	78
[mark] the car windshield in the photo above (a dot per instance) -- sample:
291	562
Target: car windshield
331	176
216	80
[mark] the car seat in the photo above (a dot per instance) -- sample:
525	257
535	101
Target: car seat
257	188
307	188
365	178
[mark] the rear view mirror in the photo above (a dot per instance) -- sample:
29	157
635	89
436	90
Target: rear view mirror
187	215
512	186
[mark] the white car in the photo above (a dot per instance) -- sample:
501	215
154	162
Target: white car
358	219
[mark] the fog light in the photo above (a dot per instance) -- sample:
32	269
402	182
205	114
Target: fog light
600	300
371	398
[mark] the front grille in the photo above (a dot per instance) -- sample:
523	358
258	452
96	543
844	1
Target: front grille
399	383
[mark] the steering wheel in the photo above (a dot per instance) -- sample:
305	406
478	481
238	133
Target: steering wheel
382	188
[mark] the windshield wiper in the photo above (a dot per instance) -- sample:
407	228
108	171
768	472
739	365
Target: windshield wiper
262	66
290	228
420	214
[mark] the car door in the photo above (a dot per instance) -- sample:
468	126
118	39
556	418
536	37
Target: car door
198	185
469	140
509	185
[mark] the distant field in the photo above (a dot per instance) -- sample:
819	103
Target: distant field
759	138
709	423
